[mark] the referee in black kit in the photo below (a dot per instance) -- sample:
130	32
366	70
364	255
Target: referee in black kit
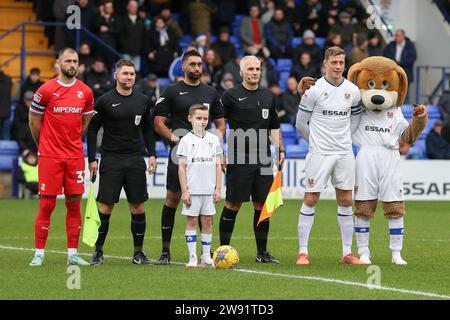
125	116
253	120
173	106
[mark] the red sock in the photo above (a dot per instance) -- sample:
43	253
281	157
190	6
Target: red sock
42	222
73	223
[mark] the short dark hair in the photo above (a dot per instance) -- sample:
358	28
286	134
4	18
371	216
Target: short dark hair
195	107
35	70
63	50
190	53
124	62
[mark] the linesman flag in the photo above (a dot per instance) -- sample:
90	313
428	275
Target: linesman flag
274	199
91	218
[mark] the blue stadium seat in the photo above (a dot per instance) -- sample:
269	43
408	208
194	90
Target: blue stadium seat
284	65
235	41
9	147
297	151
164	82
161	149
321	41
417	151
296	42
283	79
6	162
433	112
407	110
273	62
185	41
289	141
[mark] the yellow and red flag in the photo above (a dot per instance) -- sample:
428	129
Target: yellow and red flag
274	199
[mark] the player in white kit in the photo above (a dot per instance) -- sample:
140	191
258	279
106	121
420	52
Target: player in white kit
378	176
199	153
324	118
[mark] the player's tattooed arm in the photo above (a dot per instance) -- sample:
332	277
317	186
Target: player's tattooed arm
35	122
164	131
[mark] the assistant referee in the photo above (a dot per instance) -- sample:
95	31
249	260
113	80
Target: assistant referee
171	123
125	116
253	120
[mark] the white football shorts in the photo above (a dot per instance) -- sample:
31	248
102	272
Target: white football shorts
320	168
378	175
200	205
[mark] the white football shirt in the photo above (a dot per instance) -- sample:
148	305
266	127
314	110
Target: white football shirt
201	154
382	128
331	107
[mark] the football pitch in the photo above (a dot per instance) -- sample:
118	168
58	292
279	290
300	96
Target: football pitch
426	248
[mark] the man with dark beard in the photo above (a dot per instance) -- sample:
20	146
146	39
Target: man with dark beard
173	107
59	116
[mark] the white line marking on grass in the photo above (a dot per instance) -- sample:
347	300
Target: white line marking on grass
265	273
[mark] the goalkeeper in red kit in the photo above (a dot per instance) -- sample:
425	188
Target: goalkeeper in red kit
59	116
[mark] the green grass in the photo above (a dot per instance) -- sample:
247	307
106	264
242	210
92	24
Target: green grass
426	246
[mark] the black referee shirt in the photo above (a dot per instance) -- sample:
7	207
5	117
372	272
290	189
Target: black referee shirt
124	120
250	110
176	99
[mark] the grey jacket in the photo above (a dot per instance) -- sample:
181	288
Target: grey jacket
246	32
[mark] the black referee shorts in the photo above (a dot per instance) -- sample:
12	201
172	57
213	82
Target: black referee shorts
245	180
122	171
172	179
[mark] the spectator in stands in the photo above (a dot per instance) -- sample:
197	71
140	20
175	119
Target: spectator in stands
224	15
289	102
223	47
309	45
213	65
290	9
437	147
374	47
60	12
445	131
403	51
98	78
309	15
153	7
132	35
85	60
87	20
152	89
5	106
276	90
269	75
360	51
267	9
251	32
171	23
334	39
163	47
345	28
28	173
201	43
226	83
205	78
233	68
32	82
279	36
107	26
142	13
444	104
20	128
200	12
304	67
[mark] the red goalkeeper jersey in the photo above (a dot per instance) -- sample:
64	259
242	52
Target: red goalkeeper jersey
62	106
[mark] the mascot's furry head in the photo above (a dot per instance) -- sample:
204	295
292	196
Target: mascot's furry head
383	83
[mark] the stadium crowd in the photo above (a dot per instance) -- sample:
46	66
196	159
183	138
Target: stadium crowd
289	37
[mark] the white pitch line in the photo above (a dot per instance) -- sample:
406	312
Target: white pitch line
290	276
239	238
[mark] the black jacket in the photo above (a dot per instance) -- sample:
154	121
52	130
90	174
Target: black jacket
21	130
28	85
437	147
132	36
5	95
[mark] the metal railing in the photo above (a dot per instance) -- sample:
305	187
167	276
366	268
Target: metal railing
423	76
24	51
